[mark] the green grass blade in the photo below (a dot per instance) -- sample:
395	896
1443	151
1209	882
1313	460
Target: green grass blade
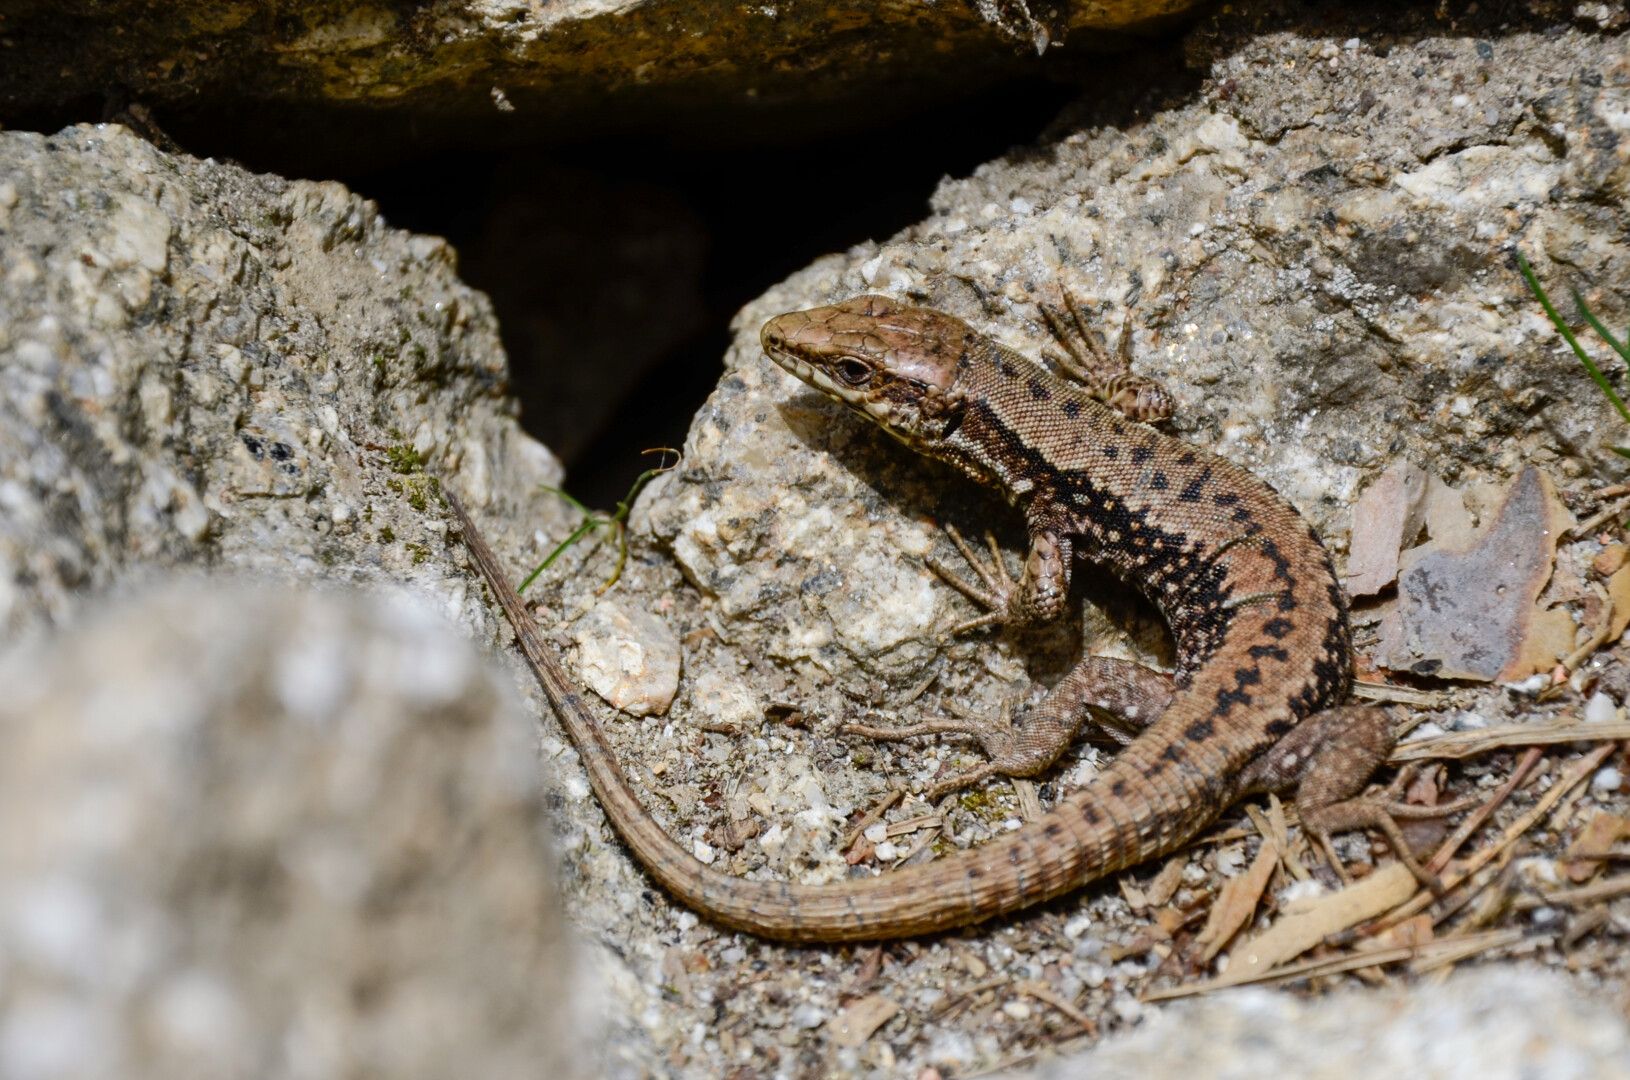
1567	335
560	548
564	494
1596	325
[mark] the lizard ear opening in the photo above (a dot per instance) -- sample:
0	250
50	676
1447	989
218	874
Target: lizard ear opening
953	420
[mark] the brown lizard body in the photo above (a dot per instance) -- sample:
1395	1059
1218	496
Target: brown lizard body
1264	655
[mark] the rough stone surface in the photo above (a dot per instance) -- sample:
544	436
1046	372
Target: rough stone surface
1499	1024
1323	295
1316	248
207	367
508	66
277	834
1313	240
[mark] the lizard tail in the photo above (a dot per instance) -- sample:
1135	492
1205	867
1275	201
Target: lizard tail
1118	820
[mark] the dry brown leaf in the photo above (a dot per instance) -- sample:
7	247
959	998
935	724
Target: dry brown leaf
1135	898
1610	559
1598	836
1170	919
1448	522
863	1016
1471	613
1305	924
1164	885
1412	932
1618	590
1236	903
1386	518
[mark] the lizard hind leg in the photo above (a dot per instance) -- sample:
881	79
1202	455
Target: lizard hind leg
1329	758
1106	376
1135	695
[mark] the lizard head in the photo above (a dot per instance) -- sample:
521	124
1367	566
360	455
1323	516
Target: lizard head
894	364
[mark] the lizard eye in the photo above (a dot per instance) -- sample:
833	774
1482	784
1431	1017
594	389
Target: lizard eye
852	371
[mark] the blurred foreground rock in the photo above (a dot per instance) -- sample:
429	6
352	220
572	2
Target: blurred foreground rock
253	832
1498	1024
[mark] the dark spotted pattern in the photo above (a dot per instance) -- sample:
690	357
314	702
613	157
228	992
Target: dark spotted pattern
1258	620
1260	624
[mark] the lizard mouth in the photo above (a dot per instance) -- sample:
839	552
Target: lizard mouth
774	342
777	339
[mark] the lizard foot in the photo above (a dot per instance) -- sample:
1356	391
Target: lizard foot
1107	376
1382	814
1329	758
999	590
996	740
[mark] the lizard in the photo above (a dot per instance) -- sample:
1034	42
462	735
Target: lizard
1264	651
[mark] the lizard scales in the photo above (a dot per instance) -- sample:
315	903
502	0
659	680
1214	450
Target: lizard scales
1250	593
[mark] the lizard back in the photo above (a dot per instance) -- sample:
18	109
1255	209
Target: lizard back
1249	592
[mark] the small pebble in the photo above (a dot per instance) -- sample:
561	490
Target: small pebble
886	852
1012	824
1600	709
877	833
807	1017
704	853
1300	890
1077	925
1127	1008
1607	780
1531	685
1018	1010
1545	916
1092	976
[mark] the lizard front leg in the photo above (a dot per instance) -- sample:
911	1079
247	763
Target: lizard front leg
1134	694
1038	596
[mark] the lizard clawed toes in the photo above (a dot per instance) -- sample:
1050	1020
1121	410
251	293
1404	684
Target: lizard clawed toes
1381	813
907	731
991	738
939	789
996	597
1106	376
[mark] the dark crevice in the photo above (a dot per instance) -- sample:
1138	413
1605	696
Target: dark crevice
615	265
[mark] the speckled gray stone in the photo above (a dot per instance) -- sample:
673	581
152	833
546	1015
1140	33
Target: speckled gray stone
203	366
450	68
249	831
1312	241
1500	1024
1323	297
